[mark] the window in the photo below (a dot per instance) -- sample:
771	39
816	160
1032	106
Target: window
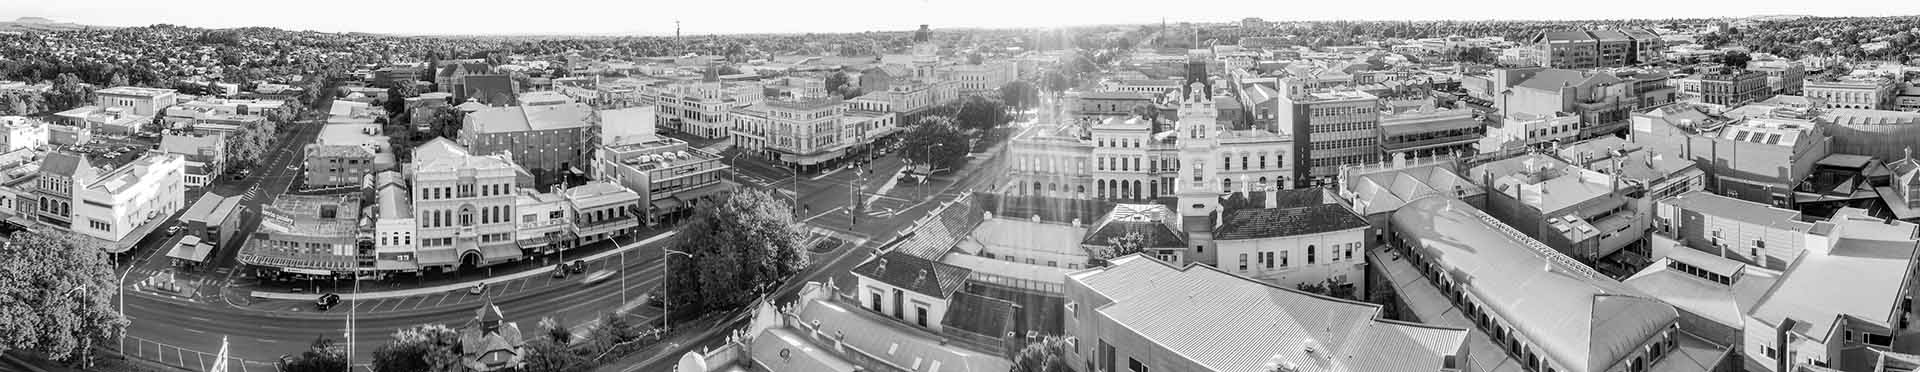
1879	339
1136	366
1310	255
1269	259
1283	259
1350	247
1243	262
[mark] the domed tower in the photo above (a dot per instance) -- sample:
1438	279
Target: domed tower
1197	185
925	53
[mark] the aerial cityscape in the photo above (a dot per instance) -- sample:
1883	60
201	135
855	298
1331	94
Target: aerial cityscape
734	191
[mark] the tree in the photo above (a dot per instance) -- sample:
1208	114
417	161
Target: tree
1047	355
936	140
397	96
1146	111
1119	246
1329	287
981	113
1019	94
68	93
837	83
1057	82
215	89
544	355
118	80
424	348
321	356
159	123
1735	59
740	249
729	70
59	295
1480	55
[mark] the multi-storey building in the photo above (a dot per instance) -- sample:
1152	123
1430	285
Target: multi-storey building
546	226
1734	88
1597	48
1582	213
1104	105
206	155
550	141
395	247
463	205
310	235
1294	237
1602	100
1801	324
1332	128
1871	93
1428	131
804	134
1115	315
20	132
1756	233
984	78
603	210
670	177
140	101
1902	192
1756	159
120	206
1784	76
701	108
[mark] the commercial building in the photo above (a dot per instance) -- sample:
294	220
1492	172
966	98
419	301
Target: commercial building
113	205
20	132
1902	192
1755	159
1602	100
1867	93
824	333
1118	319
310	236
1754	233
1579	49
1581	213
804	134
345	154
1881	134
671	177
550	141
138	100
1801	324
1332	128
463	205
1652	176
602	211
1522	294
1107	104
701	108
1428	131
1734	88
1375	191
206	155
980	79
1295	238
1784	76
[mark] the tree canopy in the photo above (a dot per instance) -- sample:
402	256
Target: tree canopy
1047	355
1019	94
981	113
936	139
740	249
59	295
321	356
424	348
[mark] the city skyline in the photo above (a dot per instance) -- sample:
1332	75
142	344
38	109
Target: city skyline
499	18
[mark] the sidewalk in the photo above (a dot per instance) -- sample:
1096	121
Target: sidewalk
543	270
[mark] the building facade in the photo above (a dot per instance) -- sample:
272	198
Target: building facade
1869	93
1332	128
1784	76
1734	88
463	206
550	141
670	177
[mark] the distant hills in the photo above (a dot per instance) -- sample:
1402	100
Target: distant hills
43	24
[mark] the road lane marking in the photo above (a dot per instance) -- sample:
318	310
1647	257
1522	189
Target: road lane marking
195	330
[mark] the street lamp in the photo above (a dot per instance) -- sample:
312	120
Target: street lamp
666	309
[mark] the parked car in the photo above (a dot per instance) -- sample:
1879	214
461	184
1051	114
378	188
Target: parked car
173	230
478	288
577	266
655	299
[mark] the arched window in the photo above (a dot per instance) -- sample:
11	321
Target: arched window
1081	189
1125	190
466	215
1226	184
1137	191
1263	182
1310	253
1053	187
1153	188
1100	187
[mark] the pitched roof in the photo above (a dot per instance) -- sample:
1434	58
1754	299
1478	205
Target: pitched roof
913	273
1554	79
522	118
69	165
1158	225
1182	308
1279	222
1582	319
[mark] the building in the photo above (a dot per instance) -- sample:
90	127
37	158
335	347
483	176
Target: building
1713	294
206	155
1734	88
1107	104
981	79
671	177
1867	93
807	135
550	141
1602	100
1295	238
1581	213
1800	323
345	154
821	332
1784	76
113	205
309	236
1881	134
1754	233
451	77
1755	159
602	211
1521	294
1119	319
391	75
395	250
1902	192
1652	176
1428	131
546	222
1578	49
1332	128
491	343
139	101
701	108
20	132
1376	190
463	205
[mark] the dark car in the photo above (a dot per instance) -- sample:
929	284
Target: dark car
655	299
577	266
326	301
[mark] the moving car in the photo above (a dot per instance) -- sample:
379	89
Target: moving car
577	266
654	298
478	288
326	301
173	230
597	277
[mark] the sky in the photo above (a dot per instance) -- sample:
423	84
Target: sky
697	17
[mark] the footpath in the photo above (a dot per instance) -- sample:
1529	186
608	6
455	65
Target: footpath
544	270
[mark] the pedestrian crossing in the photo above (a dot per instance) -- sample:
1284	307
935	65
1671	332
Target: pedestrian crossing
252	193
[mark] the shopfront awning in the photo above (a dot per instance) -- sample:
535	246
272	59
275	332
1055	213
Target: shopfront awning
296	270
668	204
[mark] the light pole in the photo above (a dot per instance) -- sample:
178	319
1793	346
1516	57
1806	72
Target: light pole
666	309
87	349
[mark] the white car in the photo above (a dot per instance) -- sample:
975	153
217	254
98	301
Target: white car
597	277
